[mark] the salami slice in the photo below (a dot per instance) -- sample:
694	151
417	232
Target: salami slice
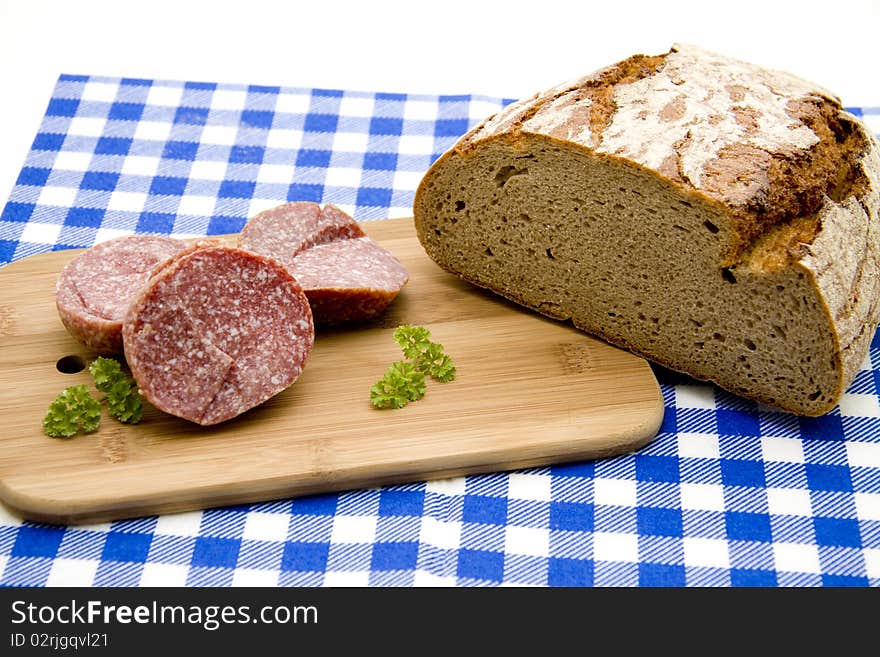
217	332
289	229
94	290
345	275
348	280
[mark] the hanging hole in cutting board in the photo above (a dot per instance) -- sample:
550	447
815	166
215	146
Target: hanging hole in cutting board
70	364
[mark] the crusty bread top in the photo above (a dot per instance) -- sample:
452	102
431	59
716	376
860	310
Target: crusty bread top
766	144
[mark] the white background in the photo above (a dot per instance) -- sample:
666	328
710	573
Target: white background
509	49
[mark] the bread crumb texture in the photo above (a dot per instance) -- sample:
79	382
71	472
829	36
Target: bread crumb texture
716	217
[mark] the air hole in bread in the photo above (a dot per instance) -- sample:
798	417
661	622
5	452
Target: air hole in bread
489	251
550	254
727	275
459	206
506	173
712	228
750	345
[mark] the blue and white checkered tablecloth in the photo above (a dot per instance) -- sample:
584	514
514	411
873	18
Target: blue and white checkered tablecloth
729	493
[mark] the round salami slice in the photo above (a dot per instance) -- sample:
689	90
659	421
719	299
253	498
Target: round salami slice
94	289
217	332
348	280
289	229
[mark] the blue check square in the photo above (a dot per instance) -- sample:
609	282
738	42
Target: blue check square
738	472
7	250
236	189
62	107
305	192
752	577
481	564
661	574
824	427
48	141
484	509
315	505
257	118
155	222
246	154
213	552
380	161
582	469
20	212
656	468
401	502
374	196
320	123
837	532
305	556
126	111
571	516
450	127
87	217
35	176
394	555
123	546
180	150
746	526
37	541
385	126
307	157
223	225
113	146
829	477
101	180
737	423
191	115
569	572
657	521
168	186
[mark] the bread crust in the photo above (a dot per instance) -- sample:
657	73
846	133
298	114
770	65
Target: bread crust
796	175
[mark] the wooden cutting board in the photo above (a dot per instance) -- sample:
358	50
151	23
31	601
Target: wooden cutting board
530	391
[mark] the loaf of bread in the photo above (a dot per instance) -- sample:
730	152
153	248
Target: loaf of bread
713	216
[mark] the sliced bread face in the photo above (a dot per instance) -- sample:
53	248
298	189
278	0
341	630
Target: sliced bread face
756	268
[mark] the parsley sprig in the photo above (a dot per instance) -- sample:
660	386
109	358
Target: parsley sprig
404	380
75	411
123	400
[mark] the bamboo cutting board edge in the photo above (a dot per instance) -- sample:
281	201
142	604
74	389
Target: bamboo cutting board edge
545	420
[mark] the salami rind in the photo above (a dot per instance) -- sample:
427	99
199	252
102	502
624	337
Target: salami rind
289	229
217	332
94	290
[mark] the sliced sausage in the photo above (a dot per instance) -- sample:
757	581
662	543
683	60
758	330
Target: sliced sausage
216	332
345	275
289	229
348	280
94	289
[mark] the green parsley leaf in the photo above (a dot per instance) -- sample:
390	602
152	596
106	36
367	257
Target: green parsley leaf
74	410
436	363
412	339
106	372
401	384
123	400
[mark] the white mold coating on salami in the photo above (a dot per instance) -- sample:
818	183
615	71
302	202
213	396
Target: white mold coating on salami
94	290
215	333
